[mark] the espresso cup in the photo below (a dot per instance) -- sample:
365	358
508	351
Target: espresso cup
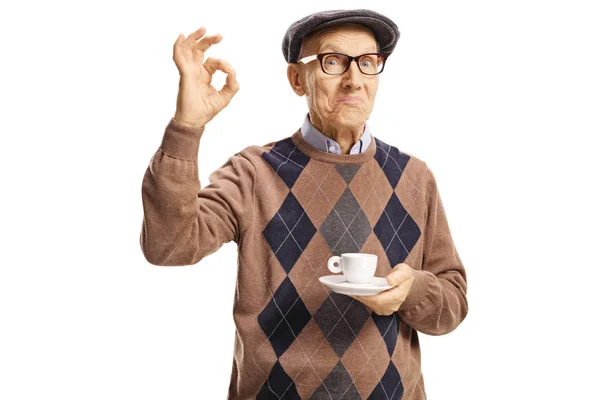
356	267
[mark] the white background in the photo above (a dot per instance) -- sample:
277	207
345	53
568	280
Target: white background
501	99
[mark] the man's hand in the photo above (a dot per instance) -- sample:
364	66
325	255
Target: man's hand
198	101
389	301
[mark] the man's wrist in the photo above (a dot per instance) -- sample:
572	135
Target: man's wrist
188	122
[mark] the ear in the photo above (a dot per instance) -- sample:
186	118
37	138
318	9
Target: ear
294	77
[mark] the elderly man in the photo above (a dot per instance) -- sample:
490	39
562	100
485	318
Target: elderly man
329	188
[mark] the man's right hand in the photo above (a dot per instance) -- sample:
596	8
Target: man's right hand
198	101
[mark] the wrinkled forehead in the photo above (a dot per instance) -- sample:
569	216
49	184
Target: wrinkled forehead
344	38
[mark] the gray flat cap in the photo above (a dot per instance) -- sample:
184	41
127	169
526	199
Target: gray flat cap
385	30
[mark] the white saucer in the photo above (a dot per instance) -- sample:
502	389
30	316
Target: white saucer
338	284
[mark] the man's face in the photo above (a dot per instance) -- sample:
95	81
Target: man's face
337	101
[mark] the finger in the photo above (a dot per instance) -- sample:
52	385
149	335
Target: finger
400	266
397	276
194	36
208	41
179	41
212	64
393	295
231	86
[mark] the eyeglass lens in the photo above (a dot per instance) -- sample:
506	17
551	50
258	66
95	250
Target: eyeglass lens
337	64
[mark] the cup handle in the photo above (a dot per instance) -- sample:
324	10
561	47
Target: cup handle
333	268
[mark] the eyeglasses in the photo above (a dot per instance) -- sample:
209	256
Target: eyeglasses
339	63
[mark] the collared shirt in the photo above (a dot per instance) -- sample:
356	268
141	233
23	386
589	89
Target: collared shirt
324	143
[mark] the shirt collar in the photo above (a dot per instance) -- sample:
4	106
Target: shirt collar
324	143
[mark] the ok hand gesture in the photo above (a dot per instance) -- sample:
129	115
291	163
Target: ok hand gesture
197	100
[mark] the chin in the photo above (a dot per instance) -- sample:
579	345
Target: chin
351	118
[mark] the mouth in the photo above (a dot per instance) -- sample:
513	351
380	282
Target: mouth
349	99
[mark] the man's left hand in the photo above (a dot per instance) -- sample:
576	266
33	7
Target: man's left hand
389	301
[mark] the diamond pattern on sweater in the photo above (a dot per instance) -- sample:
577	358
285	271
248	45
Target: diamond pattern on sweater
356	357
397	231
289	232
318	191
347	171
284	317
310	289
278	383
346	228
390	387
391	161
309	357
286	160
367	380
389	327
337	385
372	190
341	322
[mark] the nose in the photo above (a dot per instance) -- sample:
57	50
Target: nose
353	78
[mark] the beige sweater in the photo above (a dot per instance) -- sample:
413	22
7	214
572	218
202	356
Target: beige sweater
290	207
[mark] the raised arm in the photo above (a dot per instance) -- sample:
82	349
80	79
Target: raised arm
182	222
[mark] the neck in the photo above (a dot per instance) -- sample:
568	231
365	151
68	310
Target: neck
345	135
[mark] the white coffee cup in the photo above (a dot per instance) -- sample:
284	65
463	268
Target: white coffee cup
356	267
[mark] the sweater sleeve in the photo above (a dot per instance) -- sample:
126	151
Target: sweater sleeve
437	302
183	223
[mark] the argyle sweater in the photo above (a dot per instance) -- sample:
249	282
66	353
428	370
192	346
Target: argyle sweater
290	207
